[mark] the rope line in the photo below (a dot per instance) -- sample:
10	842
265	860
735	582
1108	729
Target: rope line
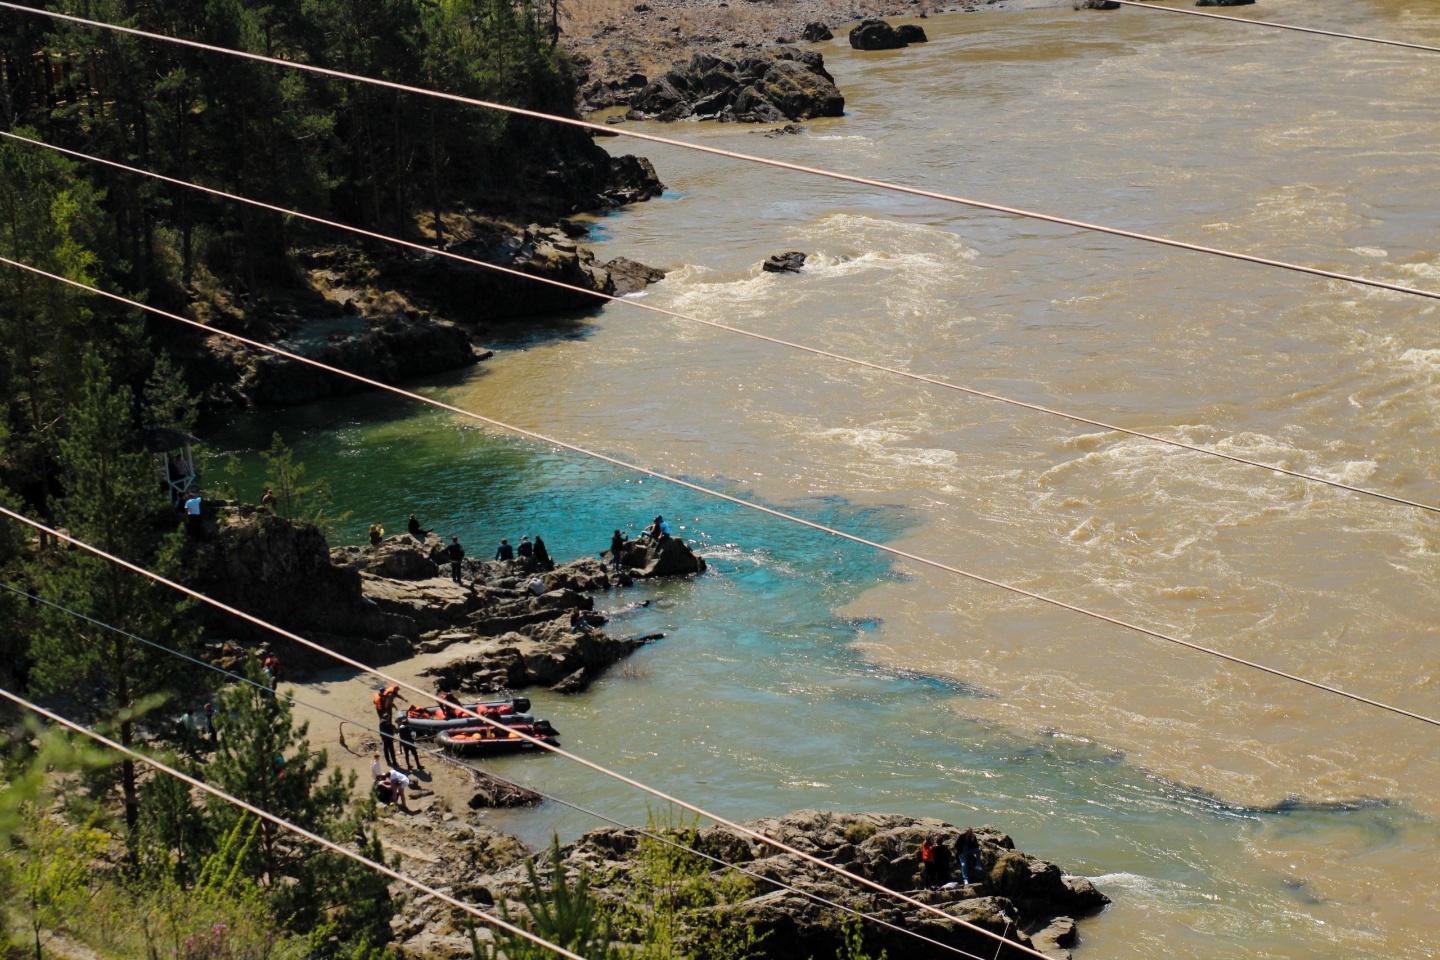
1282	26
749	158
697	488
728	328
574	758
287	825
464	765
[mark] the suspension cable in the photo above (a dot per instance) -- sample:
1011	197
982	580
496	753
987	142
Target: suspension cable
749	158
287	825
442	755
728	328
688	485
1281	26
490	721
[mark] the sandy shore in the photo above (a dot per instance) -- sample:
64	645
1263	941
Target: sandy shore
624	37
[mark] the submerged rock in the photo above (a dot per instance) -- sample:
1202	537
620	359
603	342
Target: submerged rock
789	262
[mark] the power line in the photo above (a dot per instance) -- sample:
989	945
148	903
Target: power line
1281	26
815	351
442	755
749	158
287	825
575	758
697	488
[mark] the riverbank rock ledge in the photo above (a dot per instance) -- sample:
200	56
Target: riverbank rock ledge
1019	898
789	85
876	34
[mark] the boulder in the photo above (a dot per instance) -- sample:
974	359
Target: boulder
1096	5
630	276
817	31
873	33
405	558
912	33
1223	3
789	262
787	85
542	654
668	557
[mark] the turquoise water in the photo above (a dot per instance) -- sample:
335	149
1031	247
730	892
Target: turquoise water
756	702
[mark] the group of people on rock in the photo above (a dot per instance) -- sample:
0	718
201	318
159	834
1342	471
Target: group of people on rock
533	552
526	549
935	860
656	531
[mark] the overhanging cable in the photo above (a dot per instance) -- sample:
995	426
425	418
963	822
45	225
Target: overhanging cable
456	761
1280	26
287	825
686	484
815	351
749	158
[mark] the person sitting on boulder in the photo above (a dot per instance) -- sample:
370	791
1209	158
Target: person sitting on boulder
967	851
526	549
267	499
377	533
657	531
414	528
504	551
456	553
542	555
578	623
617	548
536	585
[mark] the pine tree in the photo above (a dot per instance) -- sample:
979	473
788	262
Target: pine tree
111	499
264	758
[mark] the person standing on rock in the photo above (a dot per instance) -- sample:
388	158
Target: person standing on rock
526	549
967	851
267	499
377	533
504	551
456	553
387	740
194	525
542	555
617	547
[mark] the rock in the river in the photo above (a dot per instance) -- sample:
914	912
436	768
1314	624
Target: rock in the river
669	557
1096	5
789	85
817	31
1017	892
873	33
630	276
788	262
912	33
1223	3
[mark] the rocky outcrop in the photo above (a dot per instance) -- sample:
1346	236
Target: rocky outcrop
281	571
789	85
478	295
668	557
817	31
389	350
543	654
1016	893
789	262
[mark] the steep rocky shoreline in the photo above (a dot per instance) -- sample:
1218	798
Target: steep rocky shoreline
388	602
